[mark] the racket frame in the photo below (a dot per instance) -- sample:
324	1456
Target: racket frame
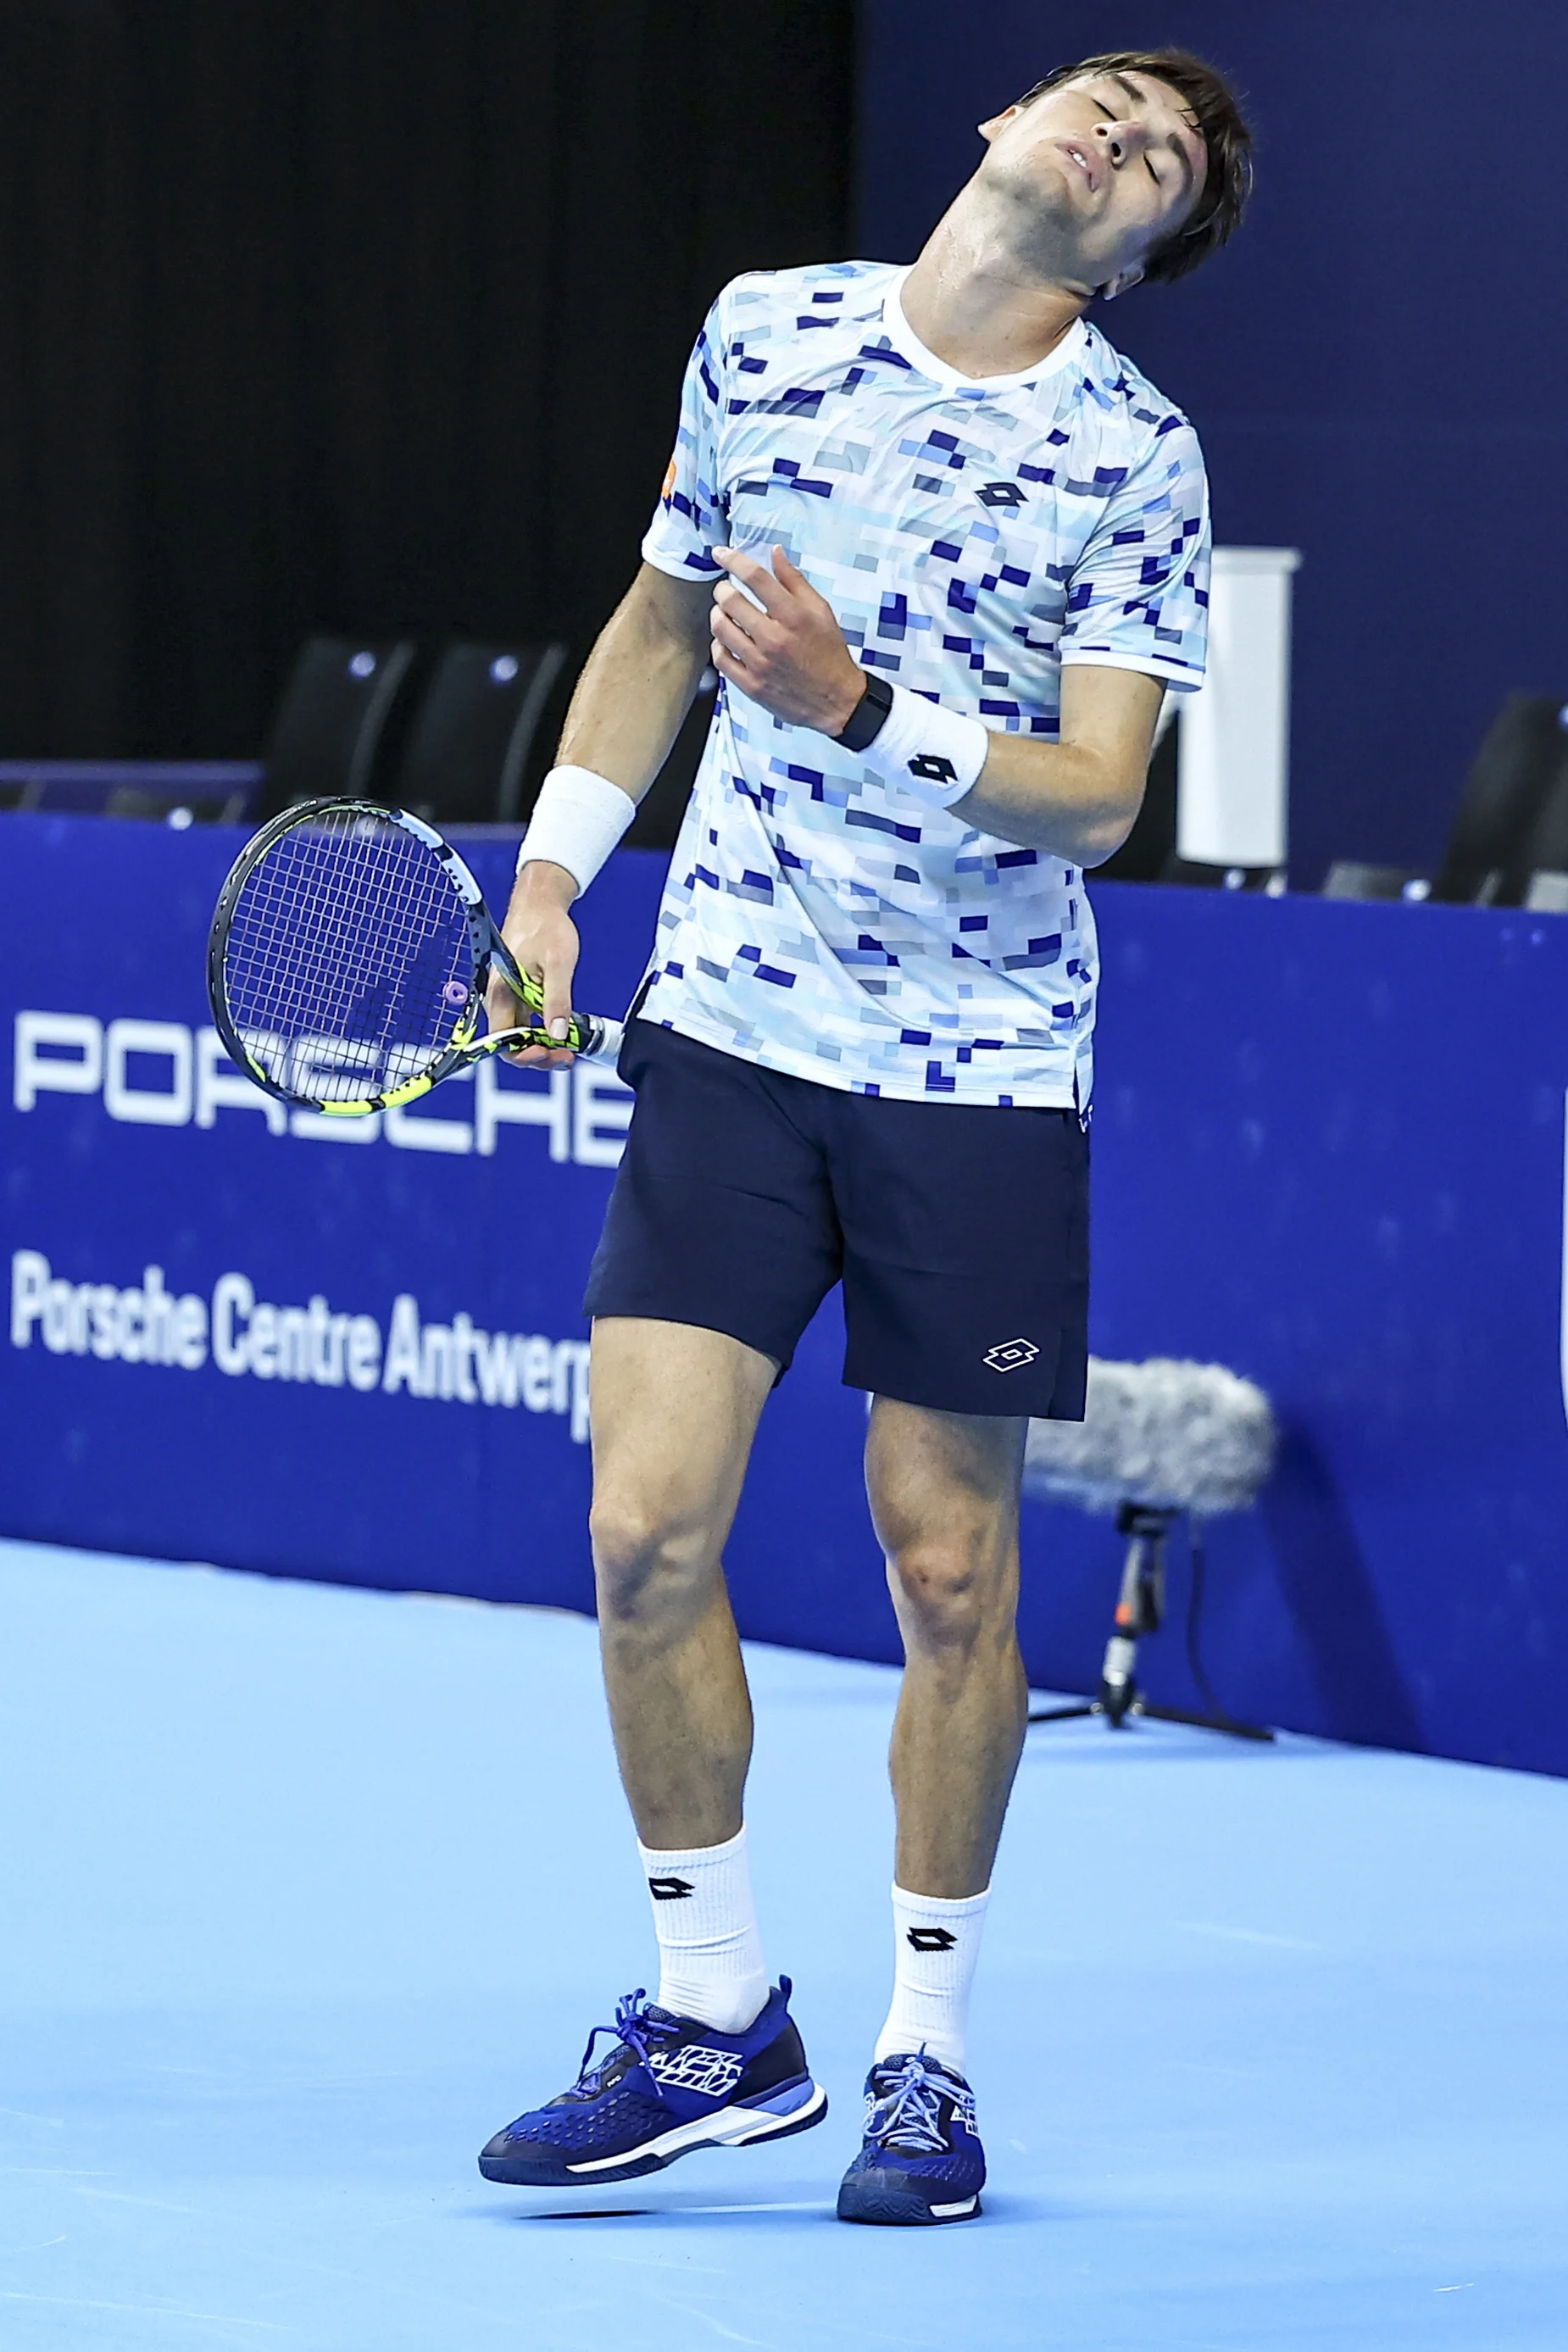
587	1036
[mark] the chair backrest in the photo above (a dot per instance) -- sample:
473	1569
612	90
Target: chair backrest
467	750
1488	854
176	809
329	722
1545	847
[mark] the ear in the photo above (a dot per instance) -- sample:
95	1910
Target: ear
1122	283
988	129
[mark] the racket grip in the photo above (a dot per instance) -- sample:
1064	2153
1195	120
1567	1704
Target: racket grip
602	1038
594	1038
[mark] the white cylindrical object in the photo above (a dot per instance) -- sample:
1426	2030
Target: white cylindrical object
1233	764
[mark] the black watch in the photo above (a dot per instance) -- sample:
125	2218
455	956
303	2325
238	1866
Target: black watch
866	722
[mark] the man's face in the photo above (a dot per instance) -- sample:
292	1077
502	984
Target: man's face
1108	166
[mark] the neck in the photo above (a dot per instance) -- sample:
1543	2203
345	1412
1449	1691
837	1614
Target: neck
978	304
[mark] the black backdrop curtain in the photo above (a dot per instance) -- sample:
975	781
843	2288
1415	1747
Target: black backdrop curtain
360	315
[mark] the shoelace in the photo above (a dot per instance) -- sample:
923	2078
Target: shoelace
908	2113
634	2030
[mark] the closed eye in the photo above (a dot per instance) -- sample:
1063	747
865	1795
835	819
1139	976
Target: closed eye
1109	113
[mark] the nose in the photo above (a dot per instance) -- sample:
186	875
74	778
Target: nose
1123	141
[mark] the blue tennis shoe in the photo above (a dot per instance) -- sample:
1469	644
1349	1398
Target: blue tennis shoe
920	2160
666	2085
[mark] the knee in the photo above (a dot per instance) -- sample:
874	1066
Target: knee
951	1594
648	1566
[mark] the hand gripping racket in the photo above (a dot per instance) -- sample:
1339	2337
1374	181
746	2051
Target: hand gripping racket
349	953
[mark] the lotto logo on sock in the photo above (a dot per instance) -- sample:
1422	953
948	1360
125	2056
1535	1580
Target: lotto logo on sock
669	1890
1010	1354
933	1939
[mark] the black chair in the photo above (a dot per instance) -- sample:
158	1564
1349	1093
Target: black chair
467	750
176	809
1503	832
329	725
1500	833
1536	879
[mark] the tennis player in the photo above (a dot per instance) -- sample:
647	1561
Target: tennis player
947	549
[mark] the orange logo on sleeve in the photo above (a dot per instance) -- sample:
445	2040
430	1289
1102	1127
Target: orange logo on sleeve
669	482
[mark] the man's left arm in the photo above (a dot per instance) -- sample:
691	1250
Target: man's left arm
1078	797
781	644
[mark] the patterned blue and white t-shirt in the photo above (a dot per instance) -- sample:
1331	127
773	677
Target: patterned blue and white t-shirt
970	536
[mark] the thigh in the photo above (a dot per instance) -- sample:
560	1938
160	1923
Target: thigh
675	1409
722	1215
966	1257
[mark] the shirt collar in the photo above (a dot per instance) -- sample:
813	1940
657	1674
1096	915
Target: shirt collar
905	341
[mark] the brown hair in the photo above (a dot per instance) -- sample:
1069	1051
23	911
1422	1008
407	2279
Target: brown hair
1217	118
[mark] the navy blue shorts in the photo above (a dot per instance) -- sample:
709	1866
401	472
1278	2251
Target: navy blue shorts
960	1233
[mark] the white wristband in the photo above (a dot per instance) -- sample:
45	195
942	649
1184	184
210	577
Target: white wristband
577	820
935	755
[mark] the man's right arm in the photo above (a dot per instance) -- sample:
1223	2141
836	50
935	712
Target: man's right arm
636	689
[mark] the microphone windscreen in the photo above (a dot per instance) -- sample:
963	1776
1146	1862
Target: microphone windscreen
1171	1436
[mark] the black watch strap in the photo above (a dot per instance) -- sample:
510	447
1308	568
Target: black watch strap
866	722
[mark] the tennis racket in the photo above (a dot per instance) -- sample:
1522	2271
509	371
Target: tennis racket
349	958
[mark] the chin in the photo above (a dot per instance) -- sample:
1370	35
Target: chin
1037	185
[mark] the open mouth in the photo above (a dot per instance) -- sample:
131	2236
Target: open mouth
1084	159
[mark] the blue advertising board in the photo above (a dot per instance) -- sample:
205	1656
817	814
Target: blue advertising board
1328	1152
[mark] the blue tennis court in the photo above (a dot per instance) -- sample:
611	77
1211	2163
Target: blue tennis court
307	1890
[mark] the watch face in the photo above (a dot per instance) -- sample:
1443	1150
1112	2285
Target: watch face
865	721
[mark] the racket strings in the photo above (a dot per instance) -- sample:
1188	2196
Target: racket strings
349	962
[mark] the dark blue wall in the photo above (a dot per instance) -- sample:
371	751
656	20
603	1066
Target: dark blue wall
1377	366
1328	1150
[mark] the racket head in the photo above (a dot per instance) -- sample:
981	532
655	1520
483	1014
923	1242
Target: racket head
348	957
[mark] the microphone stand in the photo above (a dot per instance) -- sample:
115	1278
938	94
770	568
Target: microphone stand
1139	1611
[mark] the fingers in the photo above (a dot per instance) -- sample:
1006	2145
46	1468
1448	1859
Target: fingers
784	650
769	592
547	957
801	593
740	642
749	622
557	972
536	1057
728	667
789	574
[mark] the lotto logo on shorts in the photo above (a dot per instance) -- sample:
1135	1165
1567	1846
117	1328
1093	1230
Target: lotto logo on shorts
1010	1354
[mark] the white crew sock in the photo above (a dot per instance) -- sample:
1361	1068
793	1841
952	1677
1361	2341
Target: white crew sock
710	1954
936	1943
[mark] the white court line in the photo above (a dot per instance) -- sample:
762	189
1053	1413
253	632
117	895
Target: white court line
147	2311
1249	1935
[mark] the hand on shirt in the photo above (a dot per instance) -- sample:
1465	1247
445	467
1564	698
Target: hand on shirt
791	655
